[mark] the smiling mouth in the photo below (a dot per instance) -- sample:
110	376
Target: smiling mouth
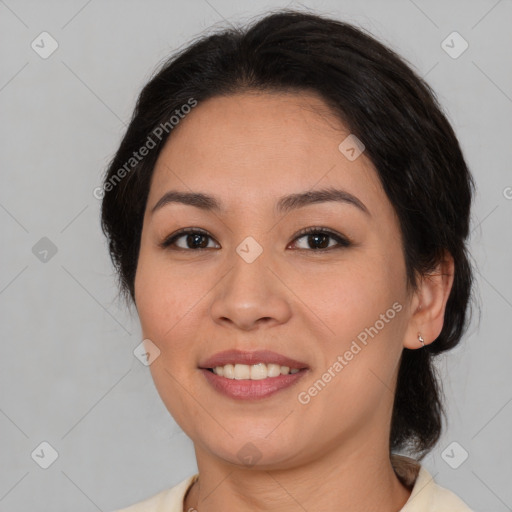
257	371
256	375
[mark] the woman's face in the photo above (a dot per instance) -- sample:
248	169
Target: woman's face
255	283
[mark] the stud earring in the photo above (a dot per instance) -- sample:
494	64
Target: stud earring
422	341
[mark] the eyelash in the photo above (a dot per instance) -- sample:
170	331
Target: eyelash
342	241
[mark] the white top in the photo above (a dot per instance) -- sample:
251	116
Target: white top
426	495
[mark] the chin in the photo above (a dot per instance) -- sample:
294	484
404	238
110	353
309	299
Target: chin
251	450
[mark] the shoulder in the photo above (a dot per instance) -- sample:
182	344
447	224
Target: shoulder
426	494
168	500
444	500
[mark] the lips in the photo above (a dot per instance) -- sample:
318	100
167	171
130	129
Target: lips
250	358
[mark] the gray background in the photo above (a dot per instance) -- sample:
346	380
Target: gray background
68	375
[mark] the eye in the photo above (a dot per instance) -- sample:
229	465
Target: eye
318	239
193	239
196	239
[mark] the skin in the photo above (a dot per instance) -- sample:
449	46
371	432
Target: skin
331	454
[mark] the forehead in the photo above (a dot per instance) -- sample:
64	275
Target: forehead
249	146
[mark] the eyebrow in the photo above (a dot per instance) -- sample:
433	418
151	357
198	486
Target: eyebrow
284	204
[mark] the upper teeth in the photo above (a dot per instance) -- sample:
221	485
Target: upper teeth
253	372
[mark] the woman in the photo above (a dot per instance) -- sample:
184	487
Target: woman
288	211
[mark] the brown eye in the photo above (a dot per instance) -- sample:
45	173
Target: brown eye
317	239
193	239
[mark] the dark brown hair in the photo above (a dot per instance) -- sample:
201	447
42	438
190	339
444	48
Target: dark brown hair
384	103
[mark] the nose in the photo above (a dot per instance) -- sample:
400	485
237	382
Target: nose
251	295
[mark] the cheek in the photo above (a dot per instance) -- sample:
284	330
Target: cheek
364	311
171	301
352	295
163	303
363	303
162	300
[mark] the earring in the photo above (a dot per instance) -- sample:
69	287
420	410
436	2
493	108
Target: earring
422	341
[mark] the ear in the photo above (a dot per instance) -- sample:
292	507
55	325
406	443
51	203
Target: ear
429	304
